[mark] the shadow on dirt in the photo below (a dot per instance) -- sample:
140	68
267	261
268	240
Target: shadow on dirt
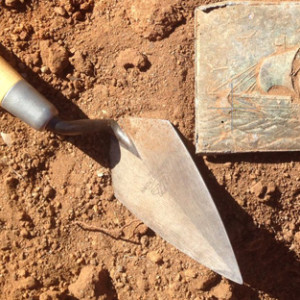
265	263
95	145
262	157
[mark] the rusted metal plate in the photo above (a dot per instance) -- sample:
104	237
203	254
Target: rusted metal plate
247	81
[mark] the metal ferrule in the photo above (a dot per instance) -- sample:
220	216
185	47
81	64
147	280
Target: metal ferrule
27	104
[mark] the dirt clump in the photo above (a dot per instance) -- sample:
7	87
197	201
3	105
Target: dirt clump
54	56
259	189
60	11
51	295
222	291
28	283
271	188
204	281
154	19
130	58
12	3
81	63
22	287
93	283
155	257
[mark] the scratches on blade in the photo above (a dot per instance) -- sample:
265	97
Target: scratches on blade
166	191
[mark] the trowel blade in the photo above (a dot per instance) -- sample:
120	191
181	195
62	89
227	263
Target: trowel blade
165	190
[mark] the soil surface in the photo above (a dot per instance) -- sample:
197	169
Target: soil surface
63	234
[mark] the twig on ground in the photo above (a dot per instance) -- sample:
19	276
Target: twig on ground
116	236
133	231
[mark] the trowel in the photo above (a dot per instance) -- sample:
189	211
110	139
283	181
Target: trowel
153	174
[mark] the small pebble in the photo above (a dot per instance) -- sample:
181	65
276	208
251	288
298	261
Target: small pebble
259	189
222	291
190	273
44	69
24	233
288	236
130	58
78	15
296	240
28	283
271	188
142	284
60	11
144	240
85	6
79	261
12	3
48	192
121	269
8	138
204	282
142	229
155	257
50	295
5	245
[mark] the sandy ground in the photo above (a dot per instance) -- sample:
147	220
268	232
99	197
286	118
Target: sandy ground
117	59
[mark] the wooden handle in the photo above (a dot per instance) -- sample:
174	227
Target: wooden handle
8	78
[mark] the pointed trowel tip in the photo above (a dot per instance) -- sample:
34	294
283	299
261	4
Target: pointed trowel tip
239	279
231	270
236	277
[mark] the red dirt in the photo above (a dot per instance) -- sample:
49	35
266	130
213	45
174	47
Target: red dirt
72	51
